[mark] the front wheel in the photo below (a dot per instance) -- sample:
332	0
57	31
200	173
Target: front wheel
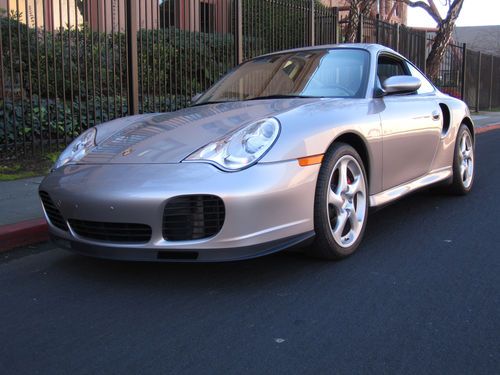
463	162
341	204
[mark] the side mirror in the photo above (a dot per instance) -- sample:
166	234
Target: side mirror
400	85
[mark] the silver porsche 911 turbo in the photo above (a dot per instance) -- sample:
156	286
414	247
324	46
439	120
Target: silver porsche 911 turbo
287	148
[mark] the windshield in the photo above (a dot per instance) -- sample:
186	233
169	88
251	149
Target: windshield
339	73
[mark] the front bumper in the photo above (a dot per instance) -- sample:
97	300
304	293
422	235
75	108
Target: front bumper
184	255
268	207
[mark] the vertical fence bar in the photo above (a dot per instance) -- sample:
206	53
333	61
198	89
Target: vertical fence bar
38	79
113	56
360	29
92	44
11	57
30	84
4	105
239	31
63	77
86	32
464	67
478	81
78	70
336	25
70	71
153	47
133	79
312	30
120	56
491	82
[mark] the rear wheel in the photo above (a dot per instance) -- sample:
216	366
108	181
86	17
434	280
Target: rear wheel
463	162
341	204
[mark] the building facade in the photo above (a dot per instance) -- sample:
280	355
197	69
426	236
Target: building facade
391	11
194	15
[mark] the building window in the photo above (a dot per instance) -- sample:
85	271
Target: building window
168	13
207	22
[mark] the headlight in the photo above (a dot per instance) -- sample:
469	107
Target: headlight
242	148
77	149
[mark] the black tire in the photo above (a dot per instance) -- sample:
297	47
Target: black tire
458	186
325	246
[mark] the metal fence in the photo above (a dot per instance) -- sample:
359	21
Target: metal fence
66	65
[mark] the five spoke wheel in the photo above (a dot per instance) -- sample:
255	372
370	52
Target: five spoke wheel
466	159
341	203
463	163
346	201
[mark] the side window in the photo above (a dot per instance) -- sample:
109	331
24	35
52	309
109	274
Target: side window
389	67
426	87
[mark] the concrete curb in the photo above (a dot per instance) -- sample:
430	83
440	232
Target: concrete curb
22	234
487	128
35	231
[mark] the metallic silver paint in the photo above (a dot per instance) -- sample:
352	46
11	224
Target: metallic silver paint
138	165
257	199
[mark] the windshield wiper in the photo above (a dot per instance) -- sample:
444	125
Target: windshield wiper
285	96
213	102
277	96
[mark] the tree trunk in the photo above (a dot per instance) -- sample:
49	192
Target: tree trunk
351	33
357	8
442	40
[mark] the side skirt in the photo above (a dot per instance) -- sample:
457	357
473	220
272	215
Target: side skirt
397	192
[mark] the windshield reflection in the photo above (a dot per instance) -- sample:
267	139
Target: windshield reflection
317	73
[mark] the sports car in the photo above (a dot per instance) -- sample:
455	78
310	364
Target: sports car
286	149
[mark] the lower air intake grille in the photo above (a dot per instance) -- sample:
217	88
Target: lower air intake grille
52	211
111	232
193	217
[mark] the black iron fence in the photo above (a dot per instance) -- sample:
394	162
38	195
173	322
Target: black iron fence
66	65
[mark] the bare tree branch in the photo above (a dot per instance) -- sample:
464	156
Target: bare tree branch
425	6
432	4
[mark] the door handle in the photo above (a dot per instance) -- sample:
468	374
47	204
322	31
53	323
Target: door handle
436	115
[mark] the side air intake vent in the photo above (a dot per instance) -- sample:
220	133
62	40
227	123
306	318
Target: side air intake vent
193	217
53	212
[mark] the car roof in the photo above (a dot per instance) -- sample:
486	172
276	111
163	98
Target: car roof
370	47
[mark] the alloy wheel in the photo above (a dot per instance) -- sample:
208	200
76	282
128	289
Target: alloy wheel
346	201
466	159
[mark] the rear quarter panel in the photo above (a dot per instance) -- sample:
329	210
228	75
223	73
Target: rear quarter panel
458	112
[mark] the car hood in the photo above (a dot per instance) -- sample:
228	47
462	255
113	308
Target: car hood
171	137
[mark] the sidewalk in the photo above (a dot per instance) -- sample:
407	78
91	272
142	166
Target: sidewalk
21	215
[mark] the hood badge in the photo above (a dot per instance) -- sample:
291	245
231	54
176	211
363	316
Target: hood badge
127	152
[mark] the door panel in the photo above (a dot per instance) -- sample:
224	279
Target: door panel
411	127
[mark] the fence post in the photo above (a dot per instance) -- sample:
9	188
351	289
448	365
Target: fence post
377	28
133	69
397	38
239	31
424	56
478	82
464	67
312	28
491	82
360	29
336	25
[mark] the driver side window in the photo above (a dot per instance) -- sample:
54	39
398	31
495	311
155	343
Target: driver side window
389	67
426	87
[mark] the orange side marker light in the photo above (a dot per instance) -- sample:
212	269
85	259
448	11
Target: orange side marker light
311	160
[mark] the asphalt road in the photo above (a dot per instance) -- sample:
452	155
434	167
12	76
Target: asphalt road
421	296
